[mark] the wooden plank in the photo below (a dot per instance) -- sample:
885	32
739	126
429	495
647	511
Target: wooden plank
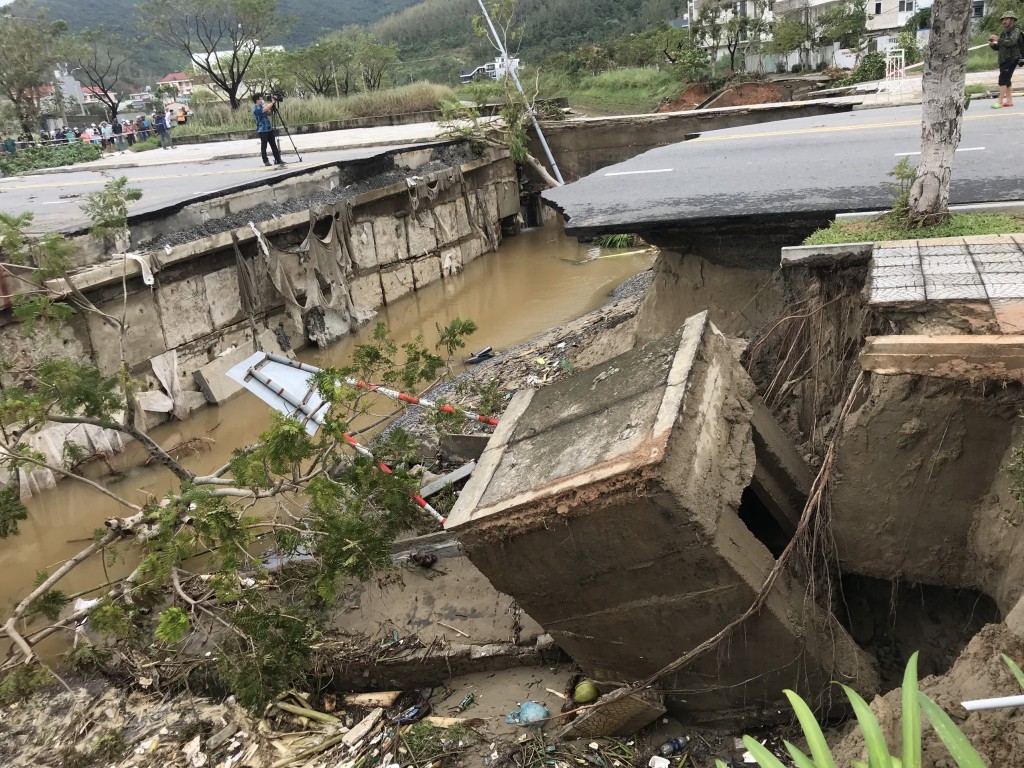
377	699
963	356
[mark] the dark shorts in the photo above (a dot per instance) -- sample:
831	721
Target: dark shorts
1006	72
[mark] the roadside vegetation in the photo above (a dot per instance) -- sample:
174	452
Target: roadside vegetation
885	227
405	99
36	158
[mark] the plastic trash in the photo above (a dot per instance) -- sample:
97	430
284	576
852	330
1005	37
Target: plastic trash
529	713
674	746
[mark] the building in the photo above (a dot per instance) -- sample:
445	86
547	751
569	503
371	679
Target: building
181	82
498	69
92	95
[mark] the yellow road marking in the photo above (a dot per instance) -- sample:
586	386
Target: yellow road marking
837	128
135	179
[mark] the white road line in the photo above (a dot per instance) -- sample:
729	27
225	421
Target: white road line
959	149
634	173
56	202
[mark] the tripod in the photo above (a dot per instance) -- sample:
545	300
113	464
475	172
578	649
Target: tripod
277	117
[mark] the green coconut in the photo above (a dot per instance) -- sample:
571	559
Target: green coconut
585	692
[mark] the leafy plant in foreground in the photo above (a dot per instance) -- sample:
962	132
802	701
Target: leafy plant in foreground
914	701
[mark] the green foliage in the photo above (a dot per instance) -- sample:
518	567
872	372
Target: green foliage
870	67
111	619
29	51
22	682
172	627
86	658
47	156
1014	669
907	40
904	174
12	511
617	241
144	146
108	208
845	23
878	751
491	395
453	336
278	656
885	228
49	604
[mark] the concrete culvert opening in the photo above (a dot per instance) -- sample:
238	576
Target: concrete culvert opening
760	522
892	619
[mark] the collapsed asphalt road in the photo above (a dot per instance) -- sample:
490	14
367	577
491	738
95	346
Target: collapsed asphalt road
806	167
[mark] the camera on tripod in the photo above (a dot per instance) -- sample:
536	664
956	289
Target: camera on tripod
277	96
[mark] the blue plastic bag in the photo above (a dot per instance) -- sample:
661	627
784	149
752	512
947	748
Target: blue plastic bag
530	713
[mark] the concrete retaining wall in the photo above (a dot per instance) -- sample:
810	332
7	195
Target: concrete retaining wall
194	305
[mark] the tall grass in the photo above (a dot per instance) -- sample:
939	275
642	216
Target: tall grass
417	97
626	90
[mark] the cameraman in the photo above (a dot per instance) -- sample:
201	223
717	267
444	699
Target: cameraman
261	111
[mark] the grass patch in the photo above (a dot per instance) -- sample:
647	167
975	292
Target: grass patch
417	97
144	146
983	59
624	91
51	156
885	228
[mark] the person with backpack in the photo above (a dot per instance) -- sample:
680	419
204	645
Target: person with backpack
162	131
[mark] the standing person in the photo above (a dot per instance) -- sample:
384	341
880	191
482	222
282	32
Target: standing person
182	116
118	130
1010	44
261	111
162	131
129	132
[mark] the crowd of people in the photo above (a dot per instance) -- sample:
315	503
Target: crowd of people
114	136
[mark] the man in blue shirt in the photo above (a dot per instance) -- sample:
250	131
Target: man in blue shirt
261	111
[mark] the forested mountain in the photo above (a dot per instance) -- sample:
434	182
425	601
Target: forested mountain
309	19
550	26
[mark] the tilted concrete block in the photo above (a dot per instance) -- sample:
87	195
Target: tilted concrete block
613	506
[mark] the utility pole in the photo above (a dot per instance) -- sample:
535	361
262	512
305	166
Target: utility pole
500	45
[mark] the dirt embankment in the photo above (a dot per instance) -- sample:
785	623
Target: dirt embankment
735	96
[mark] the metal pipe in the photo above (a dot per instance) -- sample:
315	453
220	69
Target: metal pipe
529	107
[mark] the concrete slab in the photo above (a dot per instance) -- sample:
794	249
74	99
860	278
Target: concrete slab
610	506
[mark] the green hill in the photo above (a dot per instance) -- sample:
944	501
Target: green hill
439	33
310	20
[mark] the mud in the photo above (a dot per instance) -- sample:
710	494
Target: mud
978	673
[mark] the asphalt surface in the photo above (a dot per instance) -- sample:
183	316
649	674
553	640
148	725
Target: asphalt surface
54	200
819	165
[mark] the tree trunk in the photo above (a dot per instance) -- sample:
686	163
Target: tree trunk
942	110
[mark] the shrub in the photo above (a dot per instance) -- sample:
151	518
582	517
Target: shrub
50	156
870	67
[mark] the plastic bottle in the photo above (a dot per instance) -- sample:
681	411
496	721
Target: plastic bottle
674	746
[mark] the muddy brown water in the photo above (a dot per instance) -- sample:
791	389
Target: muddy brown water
536	281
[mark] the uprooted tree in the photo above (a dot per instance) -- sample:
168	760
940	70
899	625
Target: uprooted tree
326	513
